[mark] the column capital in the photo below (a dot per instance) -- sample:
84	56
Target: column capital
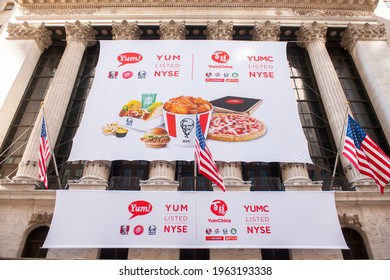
172	31
78	32
365	32
125	31
266	31
24	31
311	33
219	31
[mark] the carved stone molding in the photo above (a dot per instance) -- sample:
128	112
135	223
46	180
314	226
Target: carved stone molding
172	31
26	32
59	12
266	31
330	13
348	220
219	31
364	32
362	5
125	31
310	33
40	218
79	32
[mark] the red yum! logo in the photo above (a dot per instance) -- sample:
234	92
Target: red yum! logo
220	57
219	207
139	208
129	58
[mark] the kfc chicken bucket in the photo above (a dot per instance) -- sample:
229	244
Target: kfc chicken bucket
180	118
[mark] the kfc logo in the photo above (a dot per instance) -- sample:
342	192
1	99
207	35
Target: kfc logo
187	125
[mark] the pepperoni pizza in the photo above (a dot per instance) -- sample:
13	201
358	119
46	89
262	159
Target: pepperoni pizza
235	128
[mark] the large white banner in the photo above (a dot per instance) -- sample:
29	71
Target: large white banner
241	92
129	219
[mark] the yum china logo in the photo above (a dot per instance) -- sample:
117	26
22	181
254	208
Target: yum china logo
218	207
129	58
220	56
139	208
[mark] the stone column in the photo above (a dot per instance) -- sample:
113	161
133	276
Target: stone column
370	52
125	31
97	173
266	31
231	172
313	38
172	31
79	37
292	173
29	42
95	176
219	31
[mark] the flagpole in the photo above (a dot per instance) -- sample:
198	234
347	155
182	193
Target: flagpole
50	147
338	148
195	163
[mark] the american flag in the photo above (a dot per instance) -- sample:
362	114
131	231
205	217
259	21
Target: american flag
365	155
206	165
44	154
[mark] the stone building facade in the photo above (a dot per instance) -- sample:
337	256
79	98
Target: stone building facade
49	49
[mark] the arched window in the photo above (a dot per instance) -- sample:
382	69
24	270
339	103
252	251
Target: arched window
34	242
357	249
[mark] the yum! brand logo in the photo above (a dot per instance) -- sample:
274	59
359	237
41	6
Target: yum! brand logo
219	207
220	56
129	58
139	208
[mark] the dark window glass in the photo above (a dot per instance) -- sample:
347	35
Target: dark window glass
359	103
312	114
194	254
27	112
136	168
113	254
275	254
184	169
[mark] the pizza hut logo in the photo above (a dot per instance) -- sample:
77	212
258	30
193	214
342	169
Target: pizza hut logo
139	208
127	74
220	57
129	58
138	230
219	207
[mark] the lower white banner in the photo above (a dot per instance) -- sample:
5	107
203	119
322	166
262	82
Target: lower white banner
136	219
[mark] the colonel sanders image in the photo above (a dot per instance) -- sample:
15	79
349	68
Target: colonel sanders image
187	125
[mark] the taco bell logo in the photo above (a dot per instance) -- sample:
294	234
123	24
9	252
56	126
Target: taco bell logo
152	230
142	74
